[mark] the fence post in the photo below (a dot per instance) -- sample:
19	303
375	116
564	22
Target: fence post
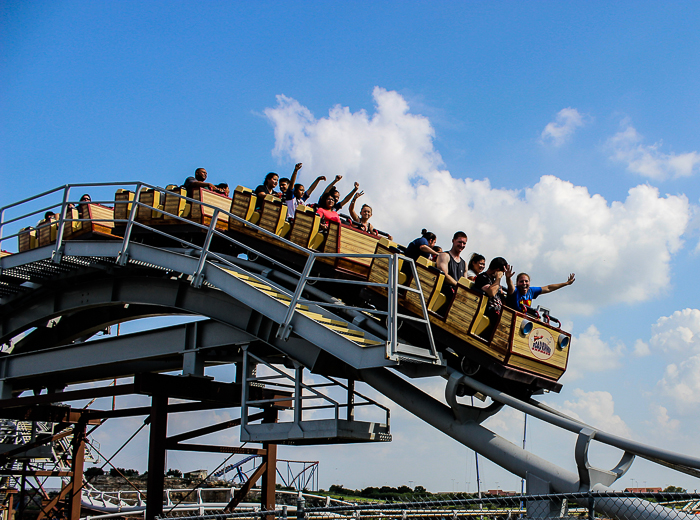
591	506
58	253
283	516
122	257
301	503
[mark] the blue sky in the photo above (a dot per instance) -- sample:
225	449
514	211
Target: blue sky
562	135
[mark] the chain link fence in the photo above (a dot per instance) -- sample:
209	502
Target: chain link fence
618	506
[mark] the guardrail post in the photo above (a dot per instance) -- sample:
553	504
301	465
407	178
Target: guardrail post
393	301
298	381
244	389
123	255
58	253
301	507
283	516
197	277
285	329
2	223
351	400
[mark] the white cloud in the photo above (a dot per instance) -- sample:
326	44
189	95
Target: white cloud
682	381
662	418
597	409
678	337
589	353
560	130
647	160
679	332
620	250
641	349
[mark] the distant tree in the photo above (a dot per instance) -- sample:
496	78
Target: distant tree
94	472
116	472
404	489
369	491
674	489
176	473
131	473
419	489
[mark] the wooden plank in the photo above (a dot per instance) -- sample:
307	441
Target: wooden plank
535	367
27	239
122	204
243	205
501	337
521	344
428	281
202	214
331	245
150	197
174	205
47	233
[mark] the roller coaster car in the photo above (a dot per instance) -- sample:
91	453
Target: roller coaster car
521	351
100	225
519	347
98	222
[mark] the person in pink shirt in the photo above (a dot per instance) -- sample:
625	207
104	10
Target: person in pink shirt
325	209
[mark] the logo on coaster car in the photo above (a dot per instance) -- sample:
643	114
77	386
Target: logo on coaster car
541	343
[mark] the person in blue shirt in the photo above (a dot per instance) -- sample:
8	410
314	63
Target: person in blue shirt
520	297
424	245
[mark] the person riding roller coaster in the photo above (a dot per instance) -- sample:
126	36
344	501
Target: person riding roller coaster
520	297
199	181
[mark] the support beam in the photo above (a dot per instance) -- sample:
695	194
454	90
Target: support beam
211	429
156	456
215	449
269	477
146	410
243	490
47	511
267	487
62	397
183	387
78	448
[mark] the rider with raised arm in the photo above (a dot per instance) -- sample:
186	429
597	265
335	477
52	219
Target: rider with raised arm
520	297
336	194
296	194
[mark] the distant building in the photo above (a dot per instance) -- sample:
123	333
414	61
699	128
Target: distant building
501	493
643	490
198	474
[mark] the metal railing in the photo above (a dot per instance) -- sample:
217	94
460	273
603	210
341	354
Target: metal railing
394	349
589	505
301	392
392	286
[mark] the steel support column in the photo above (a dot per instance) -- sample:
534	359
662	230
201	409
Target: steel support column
78	446
156	456
267	485
269	478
